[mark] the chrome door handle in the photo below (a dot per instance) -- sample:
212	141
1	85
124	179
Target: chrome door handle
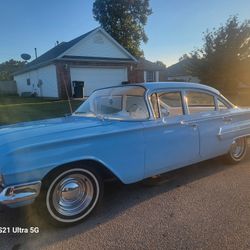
183	123
227	119
194	125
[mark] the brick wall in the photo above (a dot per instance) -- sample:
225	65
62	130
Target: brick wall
163	76
63	80
136	76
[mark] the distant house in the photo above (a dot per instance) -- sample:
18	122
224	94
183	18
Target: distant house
78	67
82	65
146	71
178	72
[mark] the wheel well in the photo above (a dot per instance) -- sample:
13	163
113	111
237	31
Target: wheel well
101	169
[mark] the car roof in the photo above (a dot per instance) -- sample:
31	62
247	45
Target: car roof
176	85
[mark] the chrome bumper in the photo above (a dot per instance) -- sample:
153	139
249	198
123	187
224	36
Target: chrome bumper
20	193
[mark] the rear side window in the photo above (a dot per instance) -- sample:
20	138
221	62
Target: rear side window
199	102
171	102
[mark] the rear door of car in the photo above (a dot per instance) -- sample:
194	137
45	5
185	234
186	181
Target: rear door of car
168	143
209	116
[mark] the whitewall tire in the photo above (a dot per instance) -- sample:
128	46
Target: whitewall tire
70	195
237	150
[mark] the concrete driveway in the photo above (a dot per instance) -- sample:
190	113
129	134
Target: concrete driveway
204	206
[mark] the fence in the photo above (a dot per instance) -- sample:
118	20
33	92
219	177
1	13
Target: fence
8	88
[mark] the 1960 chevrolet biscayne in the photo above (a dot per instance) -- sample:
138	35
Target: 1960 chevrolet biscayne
131	132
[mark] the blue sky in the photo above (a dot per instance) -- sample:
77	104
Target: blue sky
174	28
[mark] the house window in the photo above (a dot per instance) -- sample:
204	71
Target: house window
28	81
150	76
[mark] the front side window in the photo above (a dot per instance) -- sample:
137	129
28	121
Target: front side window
199	102
119	103
170	104
105	105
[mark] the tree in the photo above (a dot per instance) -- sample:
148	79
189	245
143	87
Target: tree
124	20
9	67
160	63
224	59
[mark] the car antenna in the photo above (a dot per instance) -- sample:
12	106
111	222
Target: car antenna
67	92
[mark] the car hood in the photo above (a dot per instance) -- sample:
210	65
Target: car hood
35	132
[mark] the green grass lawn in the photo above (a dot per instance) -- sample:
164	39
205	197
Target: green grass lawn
4	100
15	109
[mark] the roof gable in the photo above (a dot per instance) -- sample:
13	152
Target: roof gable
58	50
75	48
178	69
98	44
144	64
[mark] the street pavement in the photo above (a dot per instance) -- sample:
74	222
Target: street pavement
203	206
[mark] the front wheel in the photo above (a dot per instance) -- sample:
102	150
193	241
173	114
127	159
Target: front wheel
70	195
237	150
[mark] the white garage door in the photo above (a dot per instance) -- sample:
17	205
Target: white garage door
95	78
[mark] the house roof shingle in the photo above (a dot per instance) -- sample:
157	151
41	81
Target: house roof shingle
144	64
178	69
55	52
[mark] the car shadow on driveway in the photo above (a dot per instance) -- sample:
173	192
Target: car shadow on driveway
117	199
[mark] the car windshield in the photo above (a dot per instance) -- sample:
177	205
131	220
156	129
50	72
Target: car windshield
119	103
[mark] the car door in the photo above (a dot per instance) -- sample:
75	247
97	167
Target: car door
168	143
209	116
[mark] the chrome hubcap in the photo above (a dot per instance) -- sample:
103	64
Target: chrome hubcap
73	194
238	148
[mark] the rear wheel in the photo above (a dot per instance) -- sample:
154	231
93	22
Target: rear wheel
70	195
237	150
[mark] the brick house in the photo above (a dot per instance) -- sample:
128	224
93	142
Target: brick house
178	72
78	67
146	71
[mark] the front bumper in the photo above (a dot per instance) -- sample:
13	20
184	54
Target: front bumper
19	194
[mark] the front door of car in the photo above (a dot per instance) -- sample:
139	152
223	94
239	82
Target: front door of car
169	144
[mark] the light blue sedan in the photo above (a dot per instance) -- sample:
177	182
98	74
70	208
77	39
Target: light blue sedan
130	132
